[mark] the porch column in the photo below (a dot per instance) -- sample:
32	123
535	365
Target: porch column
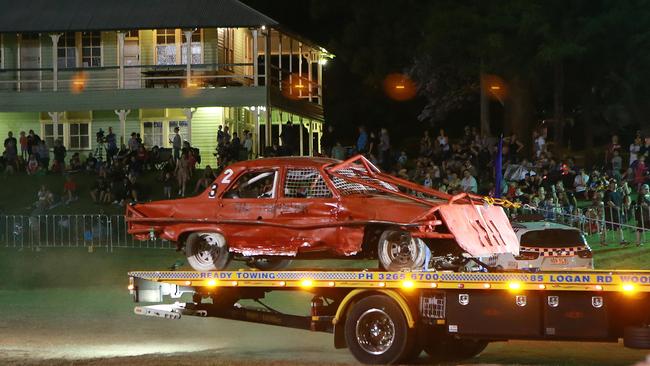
301	137
120	59
256	74
290	66
267	74
188	54
55	64
56	117
189	112
256	136
311	137
309	75
121	114
320	80
280	62
300	69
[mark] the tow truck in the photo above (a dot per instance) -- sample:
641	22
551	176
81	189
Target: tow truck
391	317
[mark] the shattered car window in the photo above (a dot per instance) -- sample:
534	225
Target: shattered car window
360	173
305	183
257	184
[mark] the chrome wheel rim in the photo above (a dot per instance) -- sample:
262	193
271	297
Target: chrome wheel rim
375	331
208	249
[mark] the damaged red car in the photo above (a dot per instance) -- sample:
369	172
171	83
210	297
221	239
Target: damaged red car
270	211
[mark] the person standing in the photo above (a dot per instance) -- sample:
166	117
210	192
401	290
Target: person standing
59	156
362	140
635	148
642	212
248	144
384	148
177	143
288	138
327	141
182	173
23	145
111	145
11	149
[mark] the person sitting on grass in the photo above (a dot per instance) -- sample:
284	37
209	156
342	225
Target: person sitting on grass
45	198
69	190
168	181
101	191
32	165
75	163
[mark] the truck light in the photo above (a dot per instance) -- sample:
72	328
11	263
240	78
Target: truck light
434	285
381	284
541	286
212	283
408	284
306	283
331	284
599	288
234	283
130	287
188	283
486	285
514	286
282	283
628	287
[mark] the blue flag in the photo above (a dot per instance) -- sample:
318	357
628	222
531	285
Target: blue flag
497	168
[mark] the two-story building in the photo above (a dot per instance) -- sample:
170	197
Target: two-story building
72	67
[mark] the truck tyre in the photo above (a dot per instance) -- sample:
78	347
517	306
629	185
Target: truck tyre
376	331
207	251
636	337
451	349
398	250
269	264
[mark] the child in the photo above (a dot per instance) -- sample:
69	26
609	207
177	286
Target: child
69	190
167	185
23	145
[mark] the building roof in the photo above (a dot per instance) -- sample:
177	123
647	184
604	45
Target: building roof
86	15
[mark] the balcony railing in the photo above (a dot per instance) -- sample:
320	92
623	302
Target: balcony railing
129	77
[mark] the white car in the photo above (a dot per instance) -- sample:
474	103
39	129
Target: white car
546	246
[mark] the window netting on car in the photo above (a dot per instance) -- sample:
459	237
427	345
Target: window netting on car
347	187
305	183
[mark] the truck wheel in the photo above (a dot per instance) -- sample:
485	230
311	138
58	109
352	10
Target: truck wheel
398	250
636	337
376	331
207	251
453	349
269	264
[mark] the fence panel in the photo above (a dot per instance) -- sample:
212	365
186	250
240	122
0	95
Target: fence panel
67	231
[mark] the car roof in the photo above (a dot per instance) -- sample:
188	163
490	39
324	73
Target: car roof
539	225
298	161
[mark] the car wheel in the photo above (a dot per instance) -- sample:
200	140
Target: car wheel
207	251
376	331
636	337
269	264
398	250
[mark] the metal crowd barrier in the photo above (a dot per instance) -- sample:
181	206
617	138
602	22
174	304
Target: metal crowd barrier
606	221
69	231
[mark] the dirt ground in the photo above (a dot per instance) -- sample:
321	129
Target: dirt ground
48	317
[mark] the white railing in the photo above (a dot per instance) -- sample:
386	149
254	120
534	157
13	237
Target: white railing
98	231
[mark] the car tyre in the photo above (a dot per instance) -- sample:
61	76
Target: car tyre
636	337
269	264
207	251
398	250
376	332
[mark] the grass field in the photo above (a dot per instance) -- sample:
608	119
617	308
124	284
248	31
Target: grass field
68	306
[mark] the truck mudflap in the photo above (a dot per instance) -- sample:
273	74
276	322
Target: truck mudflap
480	230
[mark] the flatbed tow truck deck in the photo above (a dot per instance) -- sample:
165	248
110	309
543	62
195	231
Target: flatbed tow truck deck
390	317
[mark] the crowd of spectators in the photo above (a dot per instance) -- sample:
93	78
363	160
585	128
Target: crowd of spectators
606	196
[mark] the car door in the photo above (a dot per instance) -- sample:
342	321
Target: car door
246	207
307	211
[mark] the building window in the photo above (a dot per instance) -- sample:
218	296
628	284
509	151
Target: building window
152	134
166	47
79	136
248	53
91	50
67	51
132	34
161	133
48	133
74	135
229	48
196	48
